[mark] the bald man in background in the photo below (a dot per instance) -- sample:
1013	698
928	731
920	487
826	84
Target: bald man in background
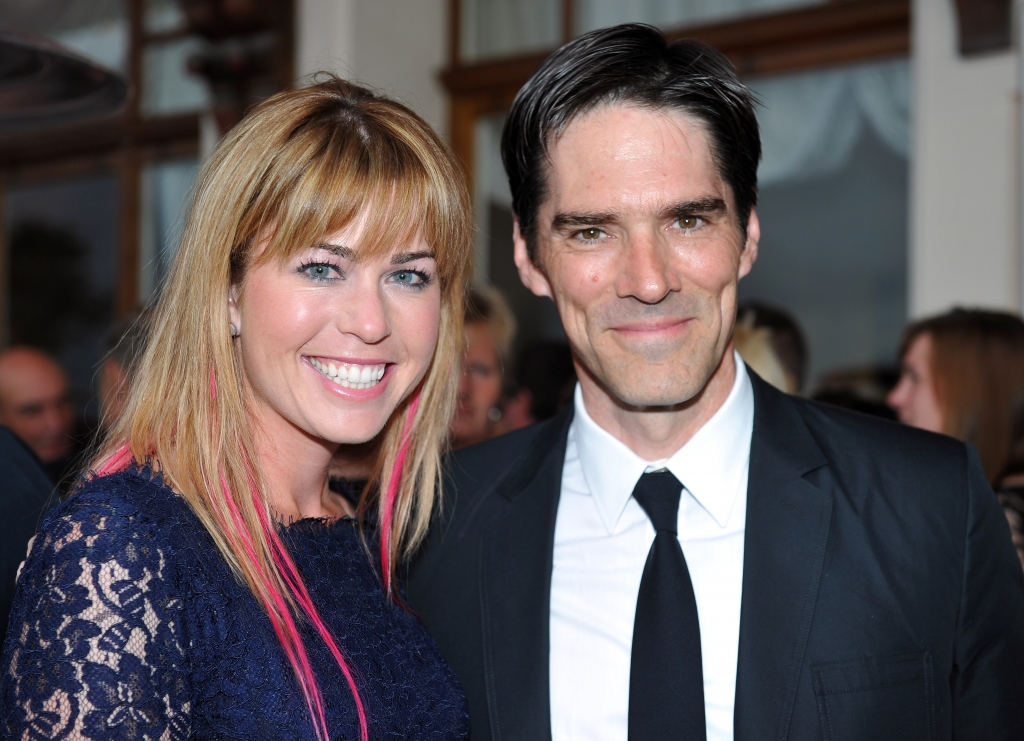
35	403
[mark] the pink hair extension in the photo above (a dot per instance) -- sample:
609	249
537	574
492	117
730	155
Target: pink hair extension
298	589
284	627
392	494
118	462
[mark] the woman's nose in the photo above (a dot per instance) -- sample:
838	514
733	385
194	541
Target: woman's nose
365	314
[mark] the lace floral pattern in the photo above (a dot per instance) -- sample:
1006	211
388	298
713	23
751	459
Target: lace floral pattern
128	625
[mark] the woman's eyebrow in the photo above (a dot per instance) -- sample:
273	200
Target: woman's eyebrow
335	249
403	257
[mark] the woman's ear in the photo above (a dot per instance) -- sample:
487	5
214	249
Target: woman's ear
234	315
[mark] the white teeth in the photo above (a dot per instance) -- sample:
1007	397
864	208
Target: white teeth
351	375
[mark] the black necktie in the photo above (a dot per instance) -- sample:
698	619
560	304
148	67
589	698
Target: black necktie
666	678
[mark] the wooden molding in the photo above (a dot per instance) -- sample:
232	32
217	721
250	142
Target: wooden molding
97	138
822	35
819	36
984	25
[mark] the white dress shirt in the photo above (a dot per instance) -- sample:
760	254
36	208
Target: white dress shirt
602	538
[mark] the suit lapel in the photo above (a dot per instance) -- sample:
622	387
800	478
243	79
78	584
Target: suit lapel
515	589
787	528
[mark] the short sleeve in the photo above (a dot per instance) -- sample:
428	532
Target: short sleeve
94	647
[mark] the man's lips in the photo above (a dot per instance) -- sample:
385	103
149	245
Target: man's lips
652	326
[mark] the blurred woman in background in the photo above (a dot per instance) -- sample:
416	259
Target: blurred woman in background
204	581
962	374
490	331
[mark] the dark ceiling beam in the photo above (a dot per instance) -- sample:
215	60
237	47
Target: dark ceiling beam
97	139
984	25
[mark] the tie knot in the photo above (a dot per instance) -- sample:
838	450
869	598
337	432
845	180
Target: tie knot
658	493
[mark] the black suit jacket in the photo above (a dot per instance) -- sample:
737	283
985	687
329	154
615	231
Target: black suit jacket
882	598
25	495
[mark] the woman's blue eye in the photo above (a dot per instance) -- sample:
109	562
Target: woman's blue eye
319	271
409	278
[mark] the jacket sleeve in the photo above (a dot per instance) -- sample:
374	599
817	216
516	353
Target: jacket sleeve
988	674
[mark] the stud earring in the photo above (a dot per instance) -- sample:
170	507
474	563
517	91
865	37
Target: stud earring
233	329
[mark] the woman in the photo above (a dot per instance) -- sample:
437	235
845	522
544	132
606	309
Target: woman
205	582
963	375
490	330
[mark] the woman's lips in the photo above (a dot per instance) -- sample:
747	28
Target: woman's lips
351	386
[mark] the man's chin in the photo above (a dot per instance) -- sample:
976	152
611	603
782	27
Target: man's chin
655	396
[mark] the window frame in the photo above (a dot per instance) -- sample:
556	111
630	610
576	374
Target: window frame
124	142
834	33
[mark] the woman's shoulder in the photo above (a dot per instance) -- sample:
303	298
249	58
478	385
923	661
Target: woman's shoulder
137	492
109	513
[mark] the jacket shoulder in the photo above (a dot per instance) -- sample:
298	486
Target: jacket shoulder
479	468
844	434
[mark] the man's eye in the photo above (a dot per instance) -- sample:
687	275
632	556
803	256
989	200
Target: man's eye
591	234
689	222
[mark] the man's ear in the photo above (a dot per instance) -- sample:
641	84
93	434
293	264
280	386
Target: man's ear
531	275
749	255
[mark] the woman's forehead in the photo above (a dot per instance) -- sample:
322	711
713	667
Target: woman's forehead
355	243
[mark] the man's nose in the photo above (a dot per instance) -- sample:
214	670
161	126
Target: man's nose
56	419
647	272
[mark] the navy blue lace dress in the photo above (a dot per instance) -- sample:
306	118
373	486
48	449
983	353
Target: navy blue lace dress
128	624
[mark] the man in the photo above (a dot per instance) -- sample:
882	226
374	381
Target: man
35	403
25	494
122	345
688	553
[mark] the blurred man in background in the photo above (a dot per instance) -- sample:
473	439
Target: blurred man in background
35	403
123	343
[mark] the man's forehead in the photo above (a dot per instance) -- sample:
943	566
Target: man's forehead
638	155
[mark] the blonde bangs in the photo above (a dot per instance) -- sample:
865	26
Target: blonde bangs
324	178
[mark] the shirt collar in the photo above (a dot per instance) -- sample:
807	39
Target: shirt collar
712	465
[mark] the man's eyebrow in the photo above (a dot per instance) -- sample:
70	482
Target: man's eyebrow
403	257
709	205
335	249
581	218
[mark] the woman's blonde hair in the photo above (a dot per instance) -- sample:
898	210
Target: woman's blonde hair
302	165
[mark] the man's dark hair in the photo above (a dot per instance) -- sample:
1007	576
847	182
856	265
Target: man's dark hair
632	64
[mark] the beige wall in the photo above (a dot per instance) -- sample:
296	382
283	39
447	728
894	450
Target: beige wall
965	191
395	46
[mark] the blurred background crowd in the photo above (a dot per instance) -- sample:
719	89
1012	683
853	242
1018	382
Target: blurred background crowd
890	271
